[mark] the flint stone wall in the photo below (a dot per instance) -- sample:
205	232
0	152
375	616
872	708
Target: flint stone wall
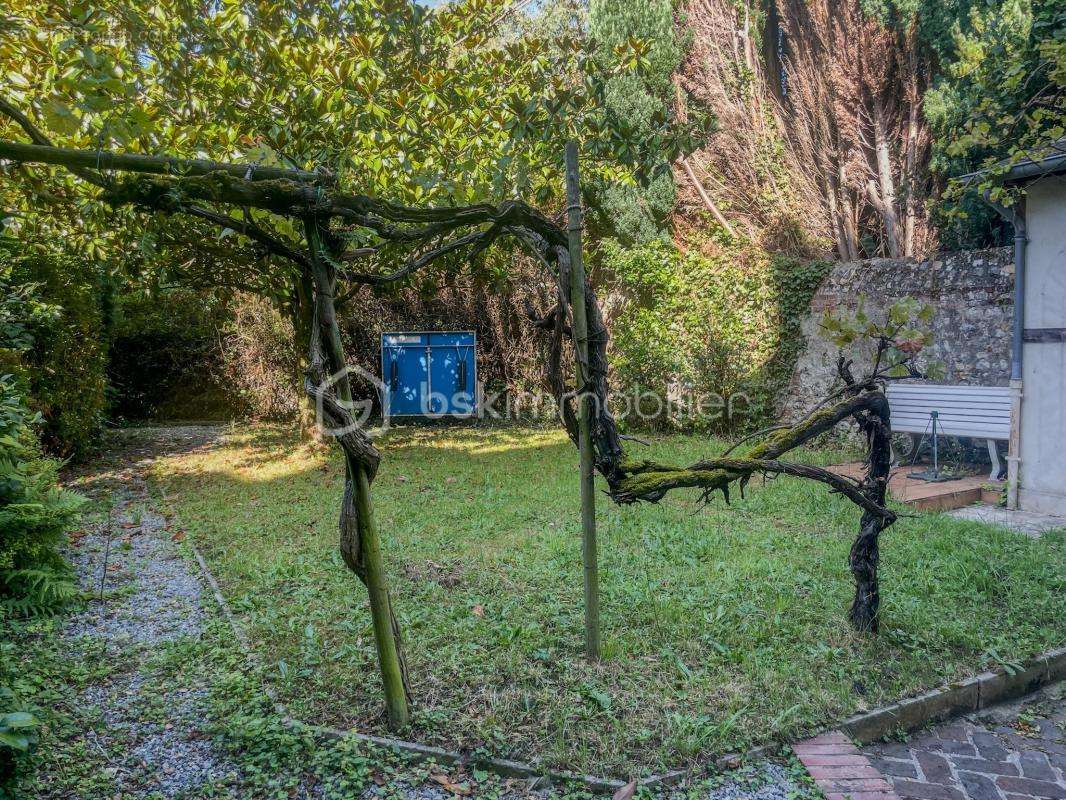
971	292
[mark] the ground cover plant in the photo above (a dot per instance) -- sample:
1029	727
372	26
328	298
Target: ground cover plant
722	627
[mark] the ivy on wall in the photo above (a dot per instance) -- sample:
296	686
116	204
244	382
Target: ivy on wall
717	335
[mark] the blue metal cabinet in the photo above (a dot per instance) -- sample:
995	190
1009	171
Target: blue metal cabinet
429	373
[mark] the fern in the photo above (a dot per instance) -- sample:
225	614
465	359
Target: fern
37	592
35	514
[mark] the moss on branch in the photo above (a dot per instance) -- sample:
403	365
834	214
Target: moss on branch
170	194
649	481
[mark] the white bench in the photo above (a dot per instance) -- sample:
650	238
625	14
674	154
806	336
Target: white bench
982	412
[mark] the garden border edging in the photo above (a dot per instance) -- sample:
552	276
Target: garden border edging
911	714
857	774
955	699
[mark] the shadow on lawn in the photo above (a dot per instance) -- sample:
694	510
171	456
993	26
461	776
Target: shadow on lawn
123	446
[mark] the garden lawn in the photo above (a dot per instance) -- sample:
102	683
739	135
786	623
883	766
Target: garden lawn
723	626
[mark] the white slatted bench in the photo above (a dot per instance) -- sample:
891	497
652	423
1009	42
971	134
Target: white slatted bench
982	412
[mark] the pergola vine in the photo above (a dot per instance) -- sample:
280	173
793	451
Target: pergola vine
227	194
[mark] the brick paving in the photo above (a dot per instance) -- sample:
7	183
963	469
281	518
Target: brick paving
841	770
1012	752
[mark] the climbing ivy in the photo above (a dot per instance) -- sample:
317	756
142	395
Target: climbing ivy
726	326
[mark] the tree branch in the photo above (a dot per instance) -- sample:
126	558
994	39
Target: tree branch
252	231
414	264
650	481
42	151
41	140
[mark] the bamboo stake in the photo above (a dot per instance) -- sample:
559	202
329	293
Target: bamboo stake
380	604
584	414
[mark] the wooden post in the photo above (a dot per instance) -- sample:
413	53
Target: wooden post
584	406
385	637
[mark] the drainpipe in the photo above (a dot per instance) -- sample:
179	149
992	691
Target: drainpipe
1015	215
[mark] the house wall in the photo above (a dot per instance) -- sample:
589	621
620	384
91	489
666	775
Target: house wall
971	293
1042	475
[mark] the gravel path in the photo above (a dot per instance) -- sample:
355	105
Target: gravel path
153	597
145	595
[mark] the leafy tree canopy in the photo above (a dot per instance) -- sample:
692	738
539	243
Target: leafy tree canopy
640	104
1001	98
398	101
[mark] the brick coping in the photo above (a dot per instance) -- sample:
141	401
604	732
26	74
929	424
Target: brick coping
963	697
840	770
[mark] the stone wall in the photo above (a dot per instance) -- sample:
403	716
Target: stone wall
971	292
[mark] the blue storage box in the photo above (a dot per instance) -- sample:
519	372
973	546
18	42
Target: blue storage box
429	374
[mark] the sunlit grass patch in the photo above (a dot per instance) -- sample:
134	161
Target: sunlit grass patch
724	626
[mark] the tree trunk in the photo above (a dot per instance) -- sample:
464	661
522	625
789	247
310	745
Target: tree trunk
836	216
847	214
302	316
883	197
360	542
865	553
393	667
909	178
910	160
706	198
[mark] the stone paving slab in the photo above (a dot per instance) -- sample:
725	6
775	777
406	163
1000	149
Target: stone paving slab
1012	752
1028	522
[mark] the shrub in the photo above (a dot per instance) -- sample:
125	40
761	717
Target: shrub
67	362
164	358
64	369
260	360
34	515
34	512
724	329
18	733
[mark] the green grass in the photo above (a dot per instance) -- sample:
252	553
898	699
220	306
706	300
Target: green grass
724	626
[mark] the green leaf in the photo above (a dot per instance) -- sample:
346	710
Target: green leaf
603	700
13	740
18	719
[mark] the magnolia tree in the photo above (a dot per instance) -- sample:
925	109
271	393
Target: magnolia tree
449	106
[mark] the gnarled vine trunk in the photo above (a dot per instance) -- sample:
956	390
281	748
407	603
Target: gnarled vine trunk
875	423
360	540
428	234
